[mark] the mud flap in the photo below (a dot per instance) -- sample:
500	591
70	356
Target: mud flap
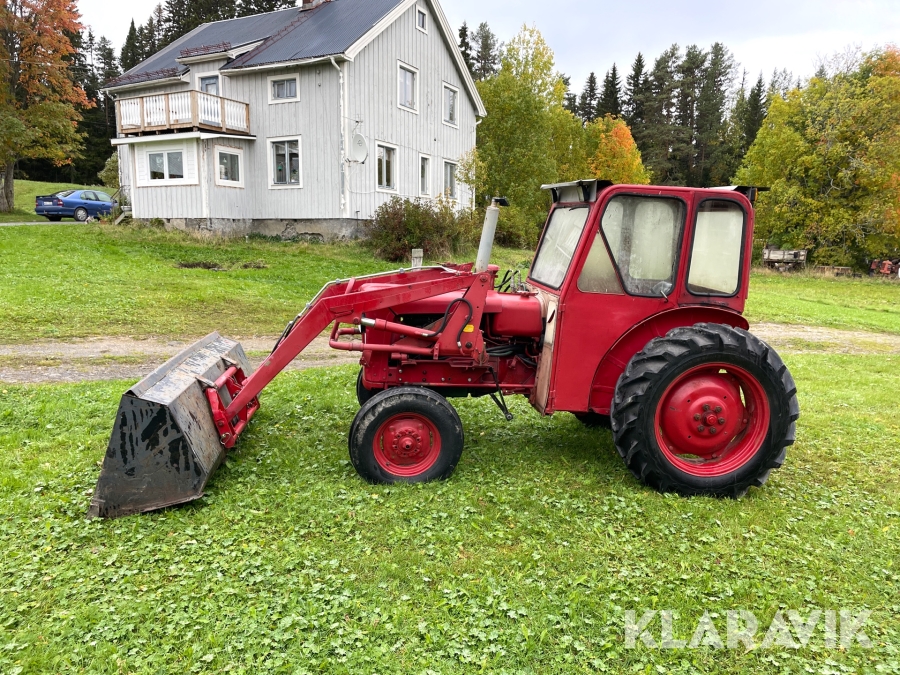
164	445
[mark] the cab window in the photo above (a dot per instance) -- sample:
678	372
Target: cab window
643	234
558	245
598	274
715	266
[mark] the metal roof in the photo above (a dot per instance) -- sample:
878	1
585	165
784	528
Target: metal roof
331	28
289	34
236	31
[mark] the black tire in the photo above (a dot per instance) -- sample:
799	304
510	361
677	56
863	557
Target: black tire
429	437
54	219
81	214
688	357
594	420
362	394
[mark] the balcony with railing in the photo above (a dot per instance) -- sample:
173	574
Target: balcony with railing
194	110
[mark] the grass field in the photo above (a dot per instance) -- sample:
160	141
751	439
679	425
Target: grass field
524	562
27	190
75	281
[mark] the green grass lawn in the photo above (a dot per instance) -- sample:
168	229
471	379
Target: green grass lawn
27	190
85	280
524	562
854	304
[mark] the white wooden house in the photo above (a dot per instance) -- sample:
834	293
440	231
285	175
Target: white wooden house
297	122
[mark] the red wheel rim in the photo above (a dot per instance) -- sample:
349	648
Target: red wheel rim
407	444
712	419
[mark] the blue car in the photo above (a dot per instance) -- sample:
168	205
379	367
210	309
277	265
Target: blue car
77	204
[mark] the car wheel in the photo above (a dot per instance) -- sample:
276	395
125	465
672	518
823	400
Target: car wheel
81	214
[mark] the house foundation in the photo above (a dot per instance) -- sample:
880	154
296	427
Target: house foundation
289	229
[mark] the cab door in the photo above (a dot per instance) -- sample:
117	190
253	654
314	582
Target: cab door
625	271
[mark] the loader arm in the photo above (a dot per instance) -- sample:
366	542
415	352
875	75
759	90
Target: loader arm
346	301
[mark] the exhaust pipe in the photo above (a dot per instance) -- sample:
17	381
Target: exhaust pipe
491	215
165	443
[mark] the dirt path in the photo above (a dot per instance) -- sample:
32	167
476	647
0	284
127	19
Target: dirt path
107	358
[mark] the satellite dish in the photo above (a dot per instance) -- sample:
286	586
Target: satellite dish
359	148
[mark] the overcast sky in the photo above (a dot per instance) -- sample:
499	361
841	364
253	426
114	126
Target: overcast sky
590	35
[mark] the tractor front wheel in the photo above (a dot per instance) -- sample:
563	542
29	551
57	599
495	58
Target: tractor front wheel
707	409
406	435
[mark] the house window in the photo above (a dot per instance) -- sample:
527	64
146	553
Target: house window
285	157
228	167
424	175
283	88
166	165
450	180
386	156
421	20
408	87
451	94
210	85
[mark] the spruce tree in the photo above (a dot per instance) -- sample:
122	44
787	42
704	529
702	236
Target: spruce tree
713	164
660	109
487	53
587	101
130	55
465	46
690	71
570	101
610	102
633	104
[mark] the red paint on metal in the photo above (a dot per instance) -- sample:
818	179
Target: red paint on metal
230	423
709	393
407	444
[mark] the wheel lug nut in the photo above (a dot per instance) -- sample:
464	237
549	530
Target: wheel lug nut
701	428
721	420
712	430
697	417
718	408
705	407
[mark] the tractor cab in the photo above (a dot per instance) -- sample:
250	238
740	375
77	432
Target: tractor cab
618	265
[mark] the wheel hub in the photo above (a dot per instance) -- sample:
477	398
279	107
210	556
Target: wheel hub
407	444
712	419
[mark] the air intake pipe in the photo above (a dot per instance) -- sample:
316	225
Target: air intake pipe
491	214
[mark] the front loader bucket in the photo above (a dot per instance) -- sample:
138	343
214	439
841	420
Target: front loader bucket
164	444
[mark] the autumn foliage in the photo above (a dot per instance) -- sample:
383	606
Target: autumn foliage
529	138
831	154
38	98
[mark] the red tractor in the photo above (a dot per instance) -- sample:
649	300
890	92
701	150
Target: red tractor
630	318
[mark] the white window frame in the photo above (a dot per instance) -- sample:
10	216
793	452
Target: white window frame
455	90
228	150
270	160
284	76
428	181
421	12
190	178
455	165
415	71
212	73
390	146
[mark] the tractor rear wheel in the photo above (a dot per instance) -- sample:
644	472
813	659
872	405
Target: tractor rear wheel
706	410
406	435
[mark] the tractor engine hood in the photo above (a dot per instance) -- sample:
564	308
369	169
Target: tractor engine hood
507	314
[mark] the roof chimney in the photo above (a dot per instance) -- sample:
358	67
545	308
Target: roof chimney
310	4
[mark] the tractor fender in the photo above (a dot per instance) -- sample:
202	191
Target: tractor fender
614	361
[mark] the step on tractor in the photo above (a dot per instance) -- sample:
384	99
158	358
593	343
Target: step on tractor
629	318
